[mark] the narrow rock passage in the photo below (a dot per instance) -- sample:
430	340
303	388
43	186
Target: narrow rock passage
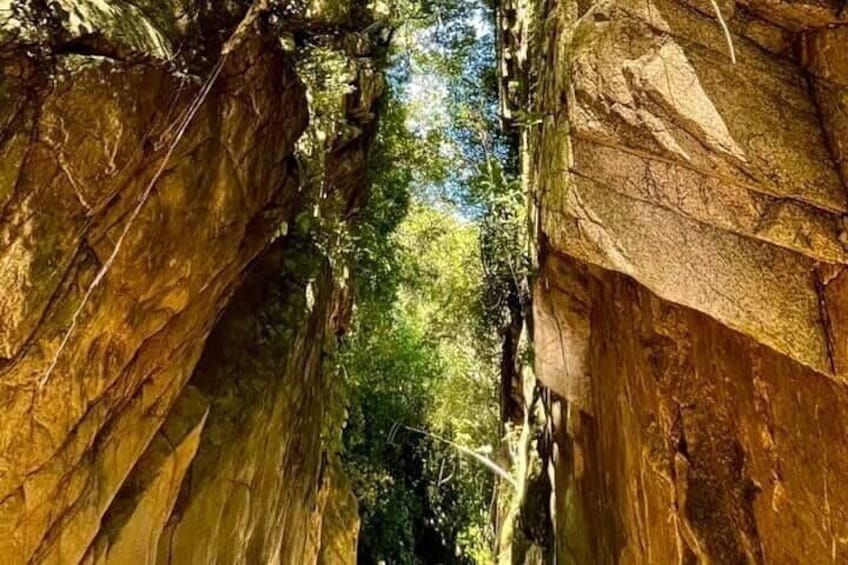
412	282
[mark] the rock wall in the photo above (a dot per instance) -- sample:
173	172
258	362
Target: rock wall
256	489
142	179
691	305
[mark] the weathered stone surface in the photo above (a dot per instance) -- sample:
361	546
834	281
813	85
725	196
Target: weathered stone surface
113	449
701	446
340	522
254	491
691	308
64	453
133	525
724	195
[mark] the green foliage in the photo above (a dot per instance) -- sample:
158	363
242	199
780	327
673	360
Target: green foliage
388	368
415	363
329	74
435	259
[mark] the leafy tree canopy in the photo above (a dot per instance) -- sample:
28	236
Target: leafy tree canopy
435	256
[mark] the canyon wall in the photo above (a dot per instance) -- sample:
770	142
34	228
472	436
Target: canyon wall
164	312
691	305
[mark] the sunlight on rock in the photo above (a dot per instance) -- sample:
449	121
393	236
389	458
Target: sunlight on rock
457	282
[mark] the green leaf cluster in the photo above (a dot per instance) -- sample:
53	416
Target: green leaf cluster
436	257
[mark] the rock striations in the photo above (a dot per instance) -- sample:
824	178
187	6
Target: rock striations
691	309
161	380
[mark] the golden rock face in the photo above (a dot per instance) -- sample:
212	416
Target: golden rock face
113	448
691	306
